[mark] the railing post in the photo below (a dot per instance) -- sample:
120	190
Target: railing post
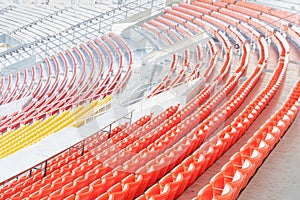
83	143
45	168
130	120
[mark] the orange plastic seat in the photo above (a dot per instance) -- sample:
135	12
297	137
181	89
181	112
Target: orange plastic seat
118	191
253	155
206	193
174	183
16	196
80	182
92	175
8	192
133	182
68	189
104	196
56	195
84	193
35	196
70	197
58	183
156	192
46	190
98	187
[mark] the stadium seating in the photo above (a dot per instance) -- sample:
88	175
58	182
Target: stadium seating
157	157
68	95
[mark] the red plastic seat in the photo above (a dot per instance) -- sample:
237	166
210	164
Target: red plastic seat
26	191
227	193
35	196
47	179
243	165
8	192
111	178
85	193
67	178
80	182
219	183
156	192
98	187
253	155
56	195
199	162
235	179
46	189
259	145
58	183
16	196
206	193
104	196
118	191
266	137
70	197
37	185
174	183
92	175
68	189
133	182
188	174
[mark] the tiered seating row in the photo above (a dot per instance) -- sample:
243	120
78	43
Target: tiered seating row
158	150
66	95
236	173
15	140
61	165
164	141
178	75
166	190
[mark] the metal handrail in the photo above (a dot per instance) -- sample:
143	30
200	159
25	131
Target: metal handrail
81	144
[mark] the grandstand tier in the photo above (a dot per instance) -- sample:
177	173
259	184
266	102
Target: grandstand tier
217	107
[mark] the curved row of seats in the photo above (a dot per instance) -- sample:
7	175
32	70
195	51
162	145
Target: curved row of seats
177	143
133	165
57	94
65	166
179	74
218	184
250	85
53	88
206	94
213	124
26	135
236	173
